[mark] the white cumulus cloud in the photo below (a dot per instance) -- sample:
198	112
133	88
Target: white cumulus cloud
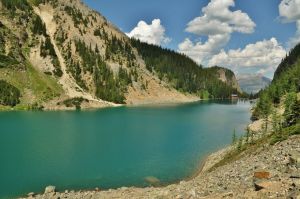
262	57
219	19
153	33
289	11
201	52
217	22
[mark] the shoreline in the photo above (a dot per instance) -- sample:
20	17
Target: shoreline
25	108
91	108
200	170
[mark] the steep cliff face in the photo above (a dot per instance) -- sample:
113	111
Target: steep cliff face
228	77
59	51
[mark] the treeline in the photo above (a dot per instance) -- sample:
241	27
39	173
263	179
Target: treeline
282	92
9	95
77	16
116	49
288	61
12	56
12	5
287	86
183	72
109	87
38	27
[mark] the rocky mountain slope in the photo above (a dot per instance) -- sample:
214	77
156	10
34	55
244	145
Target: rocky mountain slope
253	83
61	54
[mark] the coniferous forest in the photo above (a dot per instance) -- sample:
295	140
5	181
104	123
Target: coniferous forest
282	94
185	74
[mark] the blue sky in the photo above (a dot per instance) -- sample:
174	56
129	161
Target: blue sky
261	26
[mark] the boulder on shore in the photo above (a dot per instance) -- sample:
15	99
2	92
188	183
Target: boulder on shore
152	180
49	189
295	158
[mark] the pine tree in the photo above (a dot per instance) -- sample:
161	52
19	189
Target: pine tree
247	134
96	49
240	144
264	106
290	107
234	137
9	95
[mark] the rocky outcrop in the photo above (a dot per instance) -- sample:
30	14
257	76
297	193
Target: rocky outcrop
227	76
295	158
262	172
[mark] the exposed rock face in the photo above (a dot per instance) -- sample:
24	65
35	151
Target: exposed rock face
266	172
228	77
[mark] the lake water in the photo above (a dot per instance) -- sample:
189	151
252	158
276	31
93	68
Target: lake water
112	147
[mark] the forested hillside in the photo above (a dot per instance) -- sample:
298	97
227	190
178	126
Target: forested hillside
184	74
279	104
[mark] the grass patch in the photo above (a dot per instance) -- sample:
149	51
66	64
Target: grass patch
45	87
250	147
236	153
5	108
285	133
35	87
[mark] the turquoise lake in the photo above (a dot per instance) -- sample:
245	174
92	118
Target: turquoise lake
113	147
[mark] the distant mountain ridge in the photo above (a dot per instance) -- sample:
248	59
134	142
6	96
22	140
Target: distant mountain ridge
253	83
61	54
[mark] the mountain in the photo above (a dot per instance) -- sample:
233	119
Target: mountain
61	54
253	83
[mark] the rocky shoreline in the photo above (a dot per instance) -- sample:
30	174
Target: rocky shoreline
262	172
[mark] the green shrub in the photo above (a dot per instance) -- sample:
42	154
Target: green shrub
9	95
6	61
74	102
12	5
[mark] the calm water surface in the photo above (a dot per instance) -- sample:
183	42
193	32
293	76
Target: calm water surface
112	147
